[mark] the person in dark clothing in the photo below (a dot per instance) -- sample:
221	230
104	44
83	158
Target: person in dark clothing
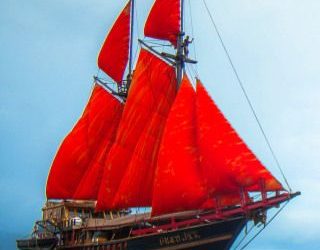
185	45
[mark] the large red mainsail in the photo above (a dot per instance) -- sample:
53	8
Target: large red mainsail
178	184
97	125
227	163
152	89
164	21
136	186
114	54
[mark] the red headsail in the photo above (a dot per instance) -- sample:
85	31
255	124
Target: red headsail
77	153
227	163
164	21
114	54
178	184
150	95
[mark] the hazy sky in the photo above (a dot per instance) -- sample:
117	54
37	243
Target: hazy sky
48	53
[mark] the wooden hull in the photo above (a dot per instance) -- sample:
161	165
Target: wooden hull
37	244
189	230
215	236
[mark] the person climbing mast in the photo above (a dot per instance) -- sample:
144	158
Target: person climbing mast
185	46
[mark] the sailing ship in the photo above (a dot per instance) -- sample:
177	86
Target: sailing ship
154	141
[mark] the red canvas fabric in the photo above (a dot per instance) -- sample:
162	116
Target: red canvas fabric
227	163
79	149
114	54
89	185
178	183
221	200
164	21
137	183
150	96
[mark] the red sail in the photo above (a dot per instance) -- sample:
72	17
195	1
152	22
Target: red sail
114	54
78	149
227	163
178	184
152	86
164	21
89	186
136	186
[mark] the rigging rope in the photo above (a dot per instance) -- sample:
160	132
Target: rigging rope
136	20
192	72
260	231
135	14
246	95
193	66
244	237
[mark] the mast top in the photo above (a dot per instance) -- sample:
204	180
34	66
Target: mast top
179	56
129	76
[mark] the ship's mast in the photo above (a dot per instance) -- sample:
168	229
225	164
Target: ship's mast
180	56
178	59
129	76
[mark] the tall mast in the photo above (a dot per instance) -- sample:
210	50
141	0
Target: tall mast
129	76
179	57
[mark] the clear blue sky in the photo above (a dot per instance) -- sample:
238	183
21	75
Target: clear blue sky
48	53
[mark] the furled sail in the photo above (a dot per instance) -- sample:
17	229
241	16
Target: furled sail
151	92
77	152
178	182
164	21
114	54
227	163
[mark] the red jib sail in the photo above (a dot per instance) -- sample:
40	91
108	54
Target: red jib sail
178	185
152	82
226	161
99	121
164	21
114	53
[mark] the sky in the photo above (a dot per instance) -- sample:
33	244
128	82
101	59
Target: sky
48	52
